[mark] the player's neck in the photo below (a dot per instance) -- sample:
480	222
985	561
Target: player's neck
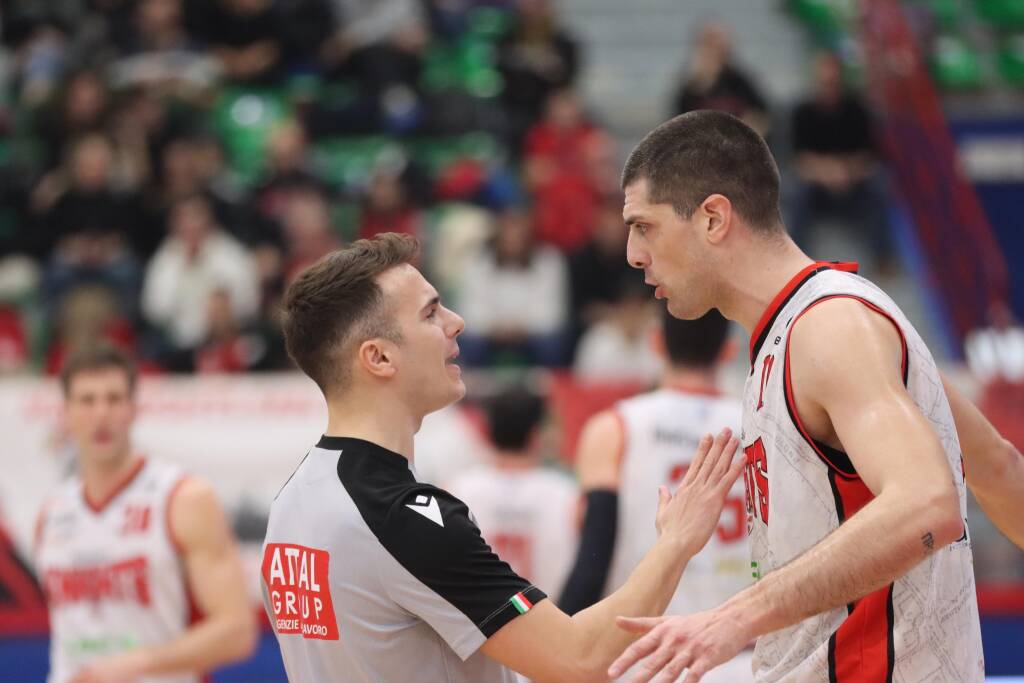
691	380
102	477
514	460
388	425
759	272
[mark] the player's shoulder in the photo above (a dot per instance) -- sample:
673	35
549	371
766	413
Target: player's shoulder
834	325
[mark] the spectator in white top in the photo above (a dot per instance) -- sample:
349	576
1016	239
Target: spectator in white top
514	298
195	261
620	347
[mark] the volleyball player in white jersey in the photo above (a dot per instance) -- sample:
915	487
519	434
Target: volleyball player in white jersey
136	558
854	476
644	442
528	513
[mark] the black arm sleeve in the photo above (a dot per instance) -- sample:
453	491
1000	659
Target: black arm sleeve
597	542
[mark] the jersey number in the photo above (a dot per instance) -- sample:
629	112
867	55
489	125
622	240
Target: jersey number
755	476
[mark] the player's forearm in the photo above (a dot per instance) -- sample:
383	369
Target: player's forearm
998	490
884	540
213	642
647	592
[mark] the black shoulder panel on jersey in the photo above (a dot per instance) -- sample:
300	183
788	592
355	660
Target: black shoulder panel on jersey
430	533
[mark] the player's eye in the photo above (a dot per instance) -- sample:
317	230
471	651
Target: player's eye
432	313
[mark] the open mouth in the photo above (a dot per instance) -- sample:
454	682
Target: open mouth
450	360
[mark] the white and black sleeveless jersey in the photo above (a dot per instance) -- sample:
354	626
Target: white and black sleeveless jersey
112	573
924	626
369	575
661	430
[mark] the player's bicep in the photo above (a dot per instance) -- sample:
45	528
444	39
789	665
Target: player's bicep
436	565
599	452
847	362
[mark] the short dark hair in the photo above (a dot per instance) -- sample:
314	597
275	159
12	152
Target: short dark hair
97	357
512	416
701	153
694	343
337	301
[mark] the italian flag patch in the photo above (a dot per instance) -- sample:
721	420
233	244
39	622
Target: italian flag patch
520	602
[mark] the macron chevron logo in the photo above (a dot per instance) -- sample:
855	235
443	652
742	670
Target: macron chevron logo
428	507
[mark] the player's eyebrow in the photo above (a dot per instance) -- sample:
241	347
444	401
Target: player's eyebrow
631	219
436	299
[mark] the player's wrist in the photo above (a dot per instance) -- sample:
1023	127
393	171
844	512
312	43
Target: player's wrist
749	614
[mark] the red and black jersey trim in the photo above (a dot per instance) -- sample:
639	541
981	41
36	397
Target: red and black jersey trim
764	325
836	459
862	649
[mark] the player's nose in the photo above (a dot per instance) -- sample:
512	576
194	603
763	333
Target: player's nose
636	256
456	324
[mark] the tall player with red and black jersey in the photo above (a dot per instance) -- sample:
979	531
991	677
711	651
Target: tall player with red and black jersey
855	483
136	558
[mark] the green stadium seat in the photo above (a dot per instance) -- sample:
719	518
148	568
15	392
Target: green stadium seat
467	65
1010	60
348	161
956	64
436	154
826	18
948	14
245	118
1002	14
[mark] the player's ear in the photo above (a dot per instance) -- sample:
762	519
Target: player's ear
377	356
716	210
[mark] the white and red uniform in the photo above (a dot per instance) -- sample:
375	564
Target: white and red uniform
661	430
529	517
112	573
924	626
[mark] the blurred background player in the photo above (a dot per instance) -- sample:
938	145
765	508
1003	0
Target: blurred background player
526	512
136	557
644	442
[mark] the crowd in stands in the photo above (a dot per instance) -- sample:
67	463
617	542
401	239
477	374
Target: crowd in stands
167	167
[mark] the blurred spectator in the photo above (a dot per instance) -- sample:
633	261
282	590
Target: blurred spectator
567	169
40	47
247	37
380	44
228	348
526	512
88	229
713	81
87	314
618	347
387	206
535	58
598	268
288	167
514	296
13	341
159	52
196	260
81	108
308	233
837	174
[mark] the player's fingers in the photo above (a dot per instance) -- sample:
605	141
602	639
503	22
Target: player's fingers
696	672
735	470
671	672
638	624
703	446
724	460
664	498
650	667
714	454
633	654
